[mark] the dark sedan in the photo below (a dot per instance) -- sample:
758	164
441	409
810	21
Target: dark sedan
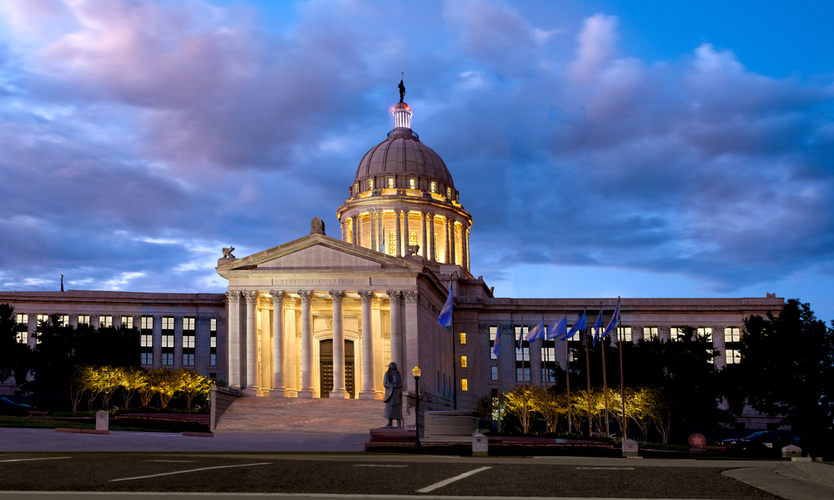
762	441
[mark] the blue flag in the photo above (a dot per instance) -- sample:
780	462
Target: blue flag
445	318
495	348
597	327
580	325
536	333
614	320
556	330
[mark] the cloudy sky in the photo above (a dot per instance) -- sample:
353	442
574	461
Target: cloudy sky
604	148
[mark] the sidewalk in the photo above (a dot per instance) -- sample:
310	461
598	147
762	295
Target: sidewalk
12	439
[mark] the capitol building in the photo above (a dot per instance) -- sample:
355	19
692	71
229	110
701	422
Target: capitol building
323	315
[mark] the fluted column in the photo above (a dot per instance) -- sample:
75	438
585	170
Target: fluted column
250	297
447	226
407	239
372	216
177	342
367	347
233	303
432	252
291	355
399	234
338	390
157	340
380	233
306	344
357	229
410	335
466	246
424	240
453	258
396	328
277	343
664	333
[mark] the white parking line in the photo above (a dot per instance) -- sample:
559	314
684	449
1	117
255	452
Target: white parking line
605	468
187	471
31	459
378	465
451	480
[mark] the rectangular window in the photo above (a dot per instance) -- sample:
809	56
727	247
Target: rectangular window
188	341
624	333
212	325
732	356
188	360
167	322
433	187
167	358
448	192
22	337
83	319
213	359
167	341
463	361
22	319
370	184
213	342
43	320
732	334
412	238
676	333
147	323
493	332
146	340
526	374
412	183
147	358
704	331
548	353
464	384
105	321
127	322
650	333
188	324
462	338
392	243
493	375
390	183
63	320
525	346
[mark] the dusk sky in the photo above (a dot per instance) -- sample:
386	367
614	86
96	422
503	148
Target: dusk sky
603	148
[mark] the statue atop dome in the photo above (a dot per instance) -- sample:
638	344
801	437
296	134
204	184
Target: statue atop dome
401	86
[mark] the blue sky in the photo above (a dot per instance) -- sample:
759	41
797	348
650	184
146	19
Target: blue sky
604	148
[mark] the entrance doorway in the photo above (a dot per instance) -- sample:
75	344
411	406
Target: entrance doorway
326	367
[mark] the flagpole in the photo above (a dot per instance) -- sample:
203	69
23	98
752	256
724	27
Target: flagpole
567	379
604	381
588	377
622	377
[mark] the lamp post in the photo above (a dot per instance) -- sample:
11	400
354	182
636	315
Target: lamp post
416	371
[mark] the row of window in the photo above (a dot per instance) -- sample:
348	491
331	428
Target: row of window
167	359
106	321
412	184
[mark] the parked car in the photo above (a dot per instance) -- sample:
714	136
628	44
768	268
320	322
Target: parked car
762	441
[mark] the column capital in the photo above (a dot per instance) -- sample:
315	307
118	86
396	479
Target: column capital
73	316
232	295
249	295
290	302
264	302
393	293
337	295
411	296
277	296
366	295
306	296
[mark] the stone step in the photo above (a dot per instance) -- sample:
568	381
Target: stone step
348	416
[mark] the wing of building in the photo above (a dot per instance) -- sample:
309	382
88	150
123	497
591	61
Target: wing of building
321	317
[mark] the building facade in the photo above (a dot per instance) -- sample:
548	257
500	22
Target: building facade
323	316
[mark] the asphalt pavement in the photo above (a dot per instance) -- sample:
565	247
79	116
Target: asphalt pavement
44	464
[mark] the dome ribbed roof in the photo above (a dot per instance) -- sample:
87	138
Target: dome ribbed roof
402	153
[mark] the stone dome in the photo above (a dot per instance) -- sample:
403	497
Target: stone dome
402	154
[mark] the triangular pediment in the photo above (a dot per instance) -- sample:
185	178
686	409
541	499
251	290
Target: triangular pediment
318	253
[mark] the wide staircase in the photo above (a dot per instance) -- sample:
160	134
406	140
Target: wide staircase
294	415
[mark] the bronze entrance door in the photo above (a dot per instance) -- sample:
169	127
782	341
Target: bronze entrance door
326	367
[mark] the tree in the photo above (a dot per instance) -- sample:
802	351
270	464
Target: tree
108	382
164	383
14	356
191	384
131	379
787	370
519	402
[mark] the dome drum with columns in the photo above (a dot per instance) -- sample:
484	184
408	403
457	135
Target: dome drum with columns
403	197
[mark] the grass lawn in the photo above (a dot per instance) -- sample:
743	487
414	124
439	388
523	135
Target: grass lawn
50	423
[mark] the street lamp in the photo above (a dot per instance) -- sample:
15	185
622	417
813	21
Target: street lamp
416	371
